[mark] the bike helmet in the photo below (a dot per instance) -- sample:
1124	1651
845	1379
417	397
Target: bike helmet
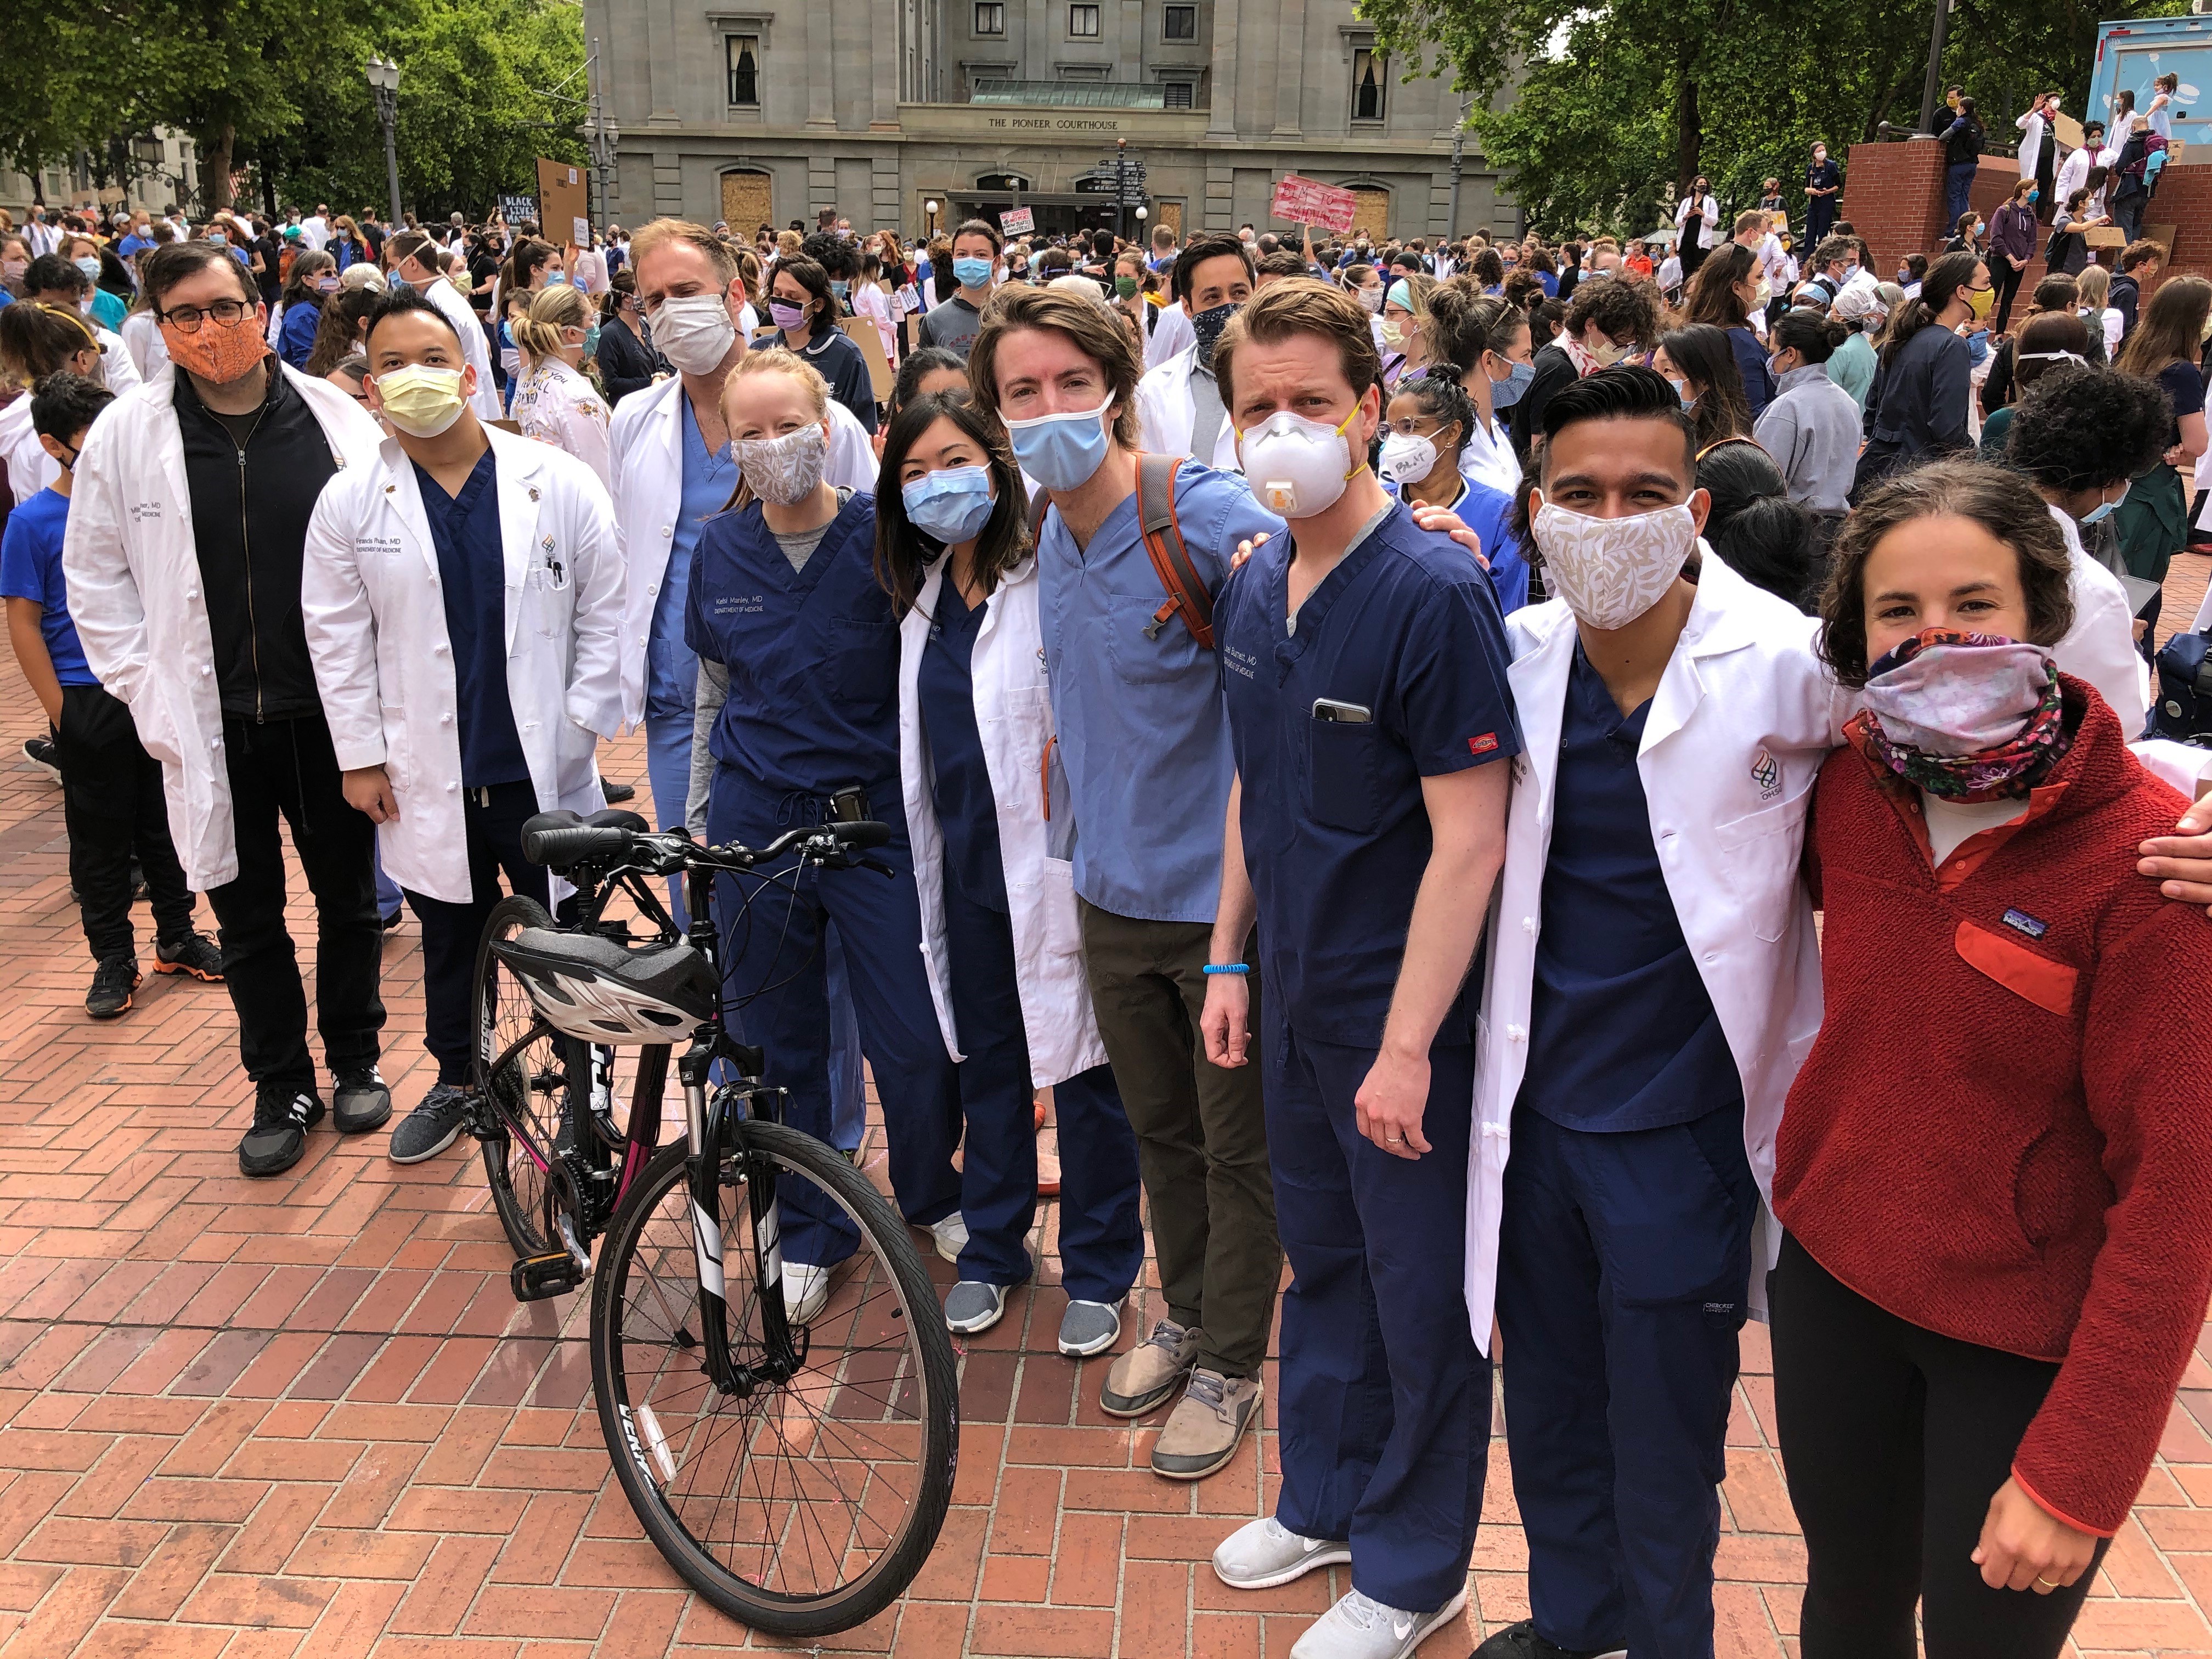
594	987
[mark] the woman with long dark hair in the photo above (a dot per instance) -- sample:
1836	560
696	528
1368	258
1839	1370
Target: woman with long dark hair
1918	403
314	278
1724	294
2167	346
987	817
1699	363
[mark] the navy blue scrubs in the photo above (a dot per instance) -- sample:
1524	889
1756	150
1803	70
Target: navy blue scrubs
813	656
1101	1240
1385	1403
1625	1255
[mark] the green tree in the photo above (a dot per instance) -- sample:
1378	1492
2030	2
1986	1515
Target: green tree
1600	117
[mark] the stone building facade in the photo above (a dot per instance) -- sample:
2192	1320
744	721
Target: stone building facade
766	110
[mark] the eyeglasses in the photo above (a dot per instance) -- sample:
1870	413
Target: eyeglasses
186	319
1412	426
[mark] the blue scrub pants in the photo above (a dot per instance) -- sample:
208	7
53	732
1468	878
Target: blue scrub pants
775	959
389	899
1385	1407
668	774
1101	1240
1623	1269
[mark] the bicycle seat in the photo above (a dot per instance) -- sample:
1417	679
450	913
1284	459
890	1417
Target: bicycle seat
598	989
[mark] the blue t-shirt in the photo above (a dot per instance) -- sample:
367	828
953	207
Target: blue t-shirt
1336	827
472	575
1139	709
1622	1033
672	667
31	568
960	782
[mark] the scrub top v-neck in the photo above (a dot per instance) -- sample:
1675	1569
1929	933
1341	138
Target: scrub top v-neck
672	667
960	782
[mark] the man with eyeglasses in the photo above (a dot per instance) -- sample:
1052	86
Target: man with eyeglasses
183	554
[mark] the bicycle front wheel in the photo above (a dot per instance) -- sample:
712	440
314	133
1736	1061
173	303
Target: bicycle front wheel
809	1506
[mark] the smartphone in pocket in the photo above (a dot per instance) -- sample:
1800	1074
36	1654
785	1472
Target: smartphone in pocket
1341	714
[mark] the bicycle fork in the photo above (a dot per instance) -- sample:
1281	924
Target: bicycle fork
709	1125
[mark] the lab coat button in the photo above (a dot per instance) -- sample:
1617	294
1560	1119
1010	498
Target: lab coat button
665	530
1516	1034
445	719
651	588
453	788
439	649
1529	926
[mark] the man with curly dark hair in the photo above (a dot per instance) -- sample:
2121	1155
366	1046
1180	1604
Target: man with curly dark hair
1609	319
2079	435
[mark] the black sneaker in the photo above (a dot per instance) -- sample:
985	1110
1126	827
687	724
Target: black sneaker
283	1114
42	754
363	1102
195	955
617	793
1521	1642
431	1126
112	982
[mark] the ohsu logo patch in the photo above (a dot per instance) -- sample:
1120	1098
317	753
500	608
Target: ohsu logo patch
1766	773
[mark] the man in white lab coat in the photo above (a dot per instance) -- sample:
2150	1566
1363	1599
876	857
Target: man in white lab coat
463	599
406	250
183	554
1179	405
1635	1066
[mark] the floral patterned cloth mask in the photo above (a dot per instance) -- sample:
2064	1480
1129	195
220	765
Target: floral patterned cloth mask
1966	716
1611	571
784	470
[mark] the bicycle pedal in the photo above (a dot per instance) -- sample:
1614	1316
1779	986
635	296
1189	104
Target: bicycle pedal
534	1278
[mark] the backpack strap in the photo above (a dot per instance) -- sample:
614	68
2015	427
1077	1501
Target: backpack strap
1040	504
1156	518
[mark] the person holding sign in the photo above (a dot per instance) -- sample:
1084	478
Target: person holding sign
952	325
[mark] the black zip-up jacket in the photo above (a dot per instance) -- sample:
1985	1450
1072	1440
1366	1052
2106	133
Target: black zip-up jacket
250	511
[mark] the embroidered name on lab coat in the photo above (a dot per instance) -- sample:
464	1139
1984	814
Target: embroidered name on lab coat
1243	662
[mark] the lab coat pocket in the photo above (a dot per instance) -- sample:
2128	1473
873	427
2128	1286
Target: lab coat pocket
1340	786
1759	854
2049	985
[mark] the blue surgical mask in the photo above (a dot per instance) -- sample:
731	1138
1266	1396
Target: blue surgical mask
592	341
972	273
1063	451
90	267
2103	510
557	279
839	286
953	504
1504	393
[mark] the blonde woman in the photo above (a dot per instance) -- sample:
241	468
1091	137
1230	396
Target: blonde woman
754	278
797	638
556	403
2096	310
1408	348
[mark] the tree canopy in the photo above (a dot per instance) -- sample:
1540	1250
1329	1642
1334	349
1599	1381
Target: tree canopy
1600	115
280	83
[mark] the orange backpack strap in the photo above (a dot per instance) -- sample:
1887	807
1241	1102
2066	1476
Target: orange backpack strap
1040	504
1186	593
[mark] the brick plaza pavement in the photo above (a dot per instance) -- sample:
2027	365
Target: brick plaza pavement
303	1418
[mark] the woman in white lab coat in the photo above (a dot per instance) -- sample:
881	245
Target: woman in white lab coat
557	402
988	819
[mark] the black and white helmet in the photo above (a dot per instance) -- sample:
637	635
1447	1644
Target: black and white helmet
597	988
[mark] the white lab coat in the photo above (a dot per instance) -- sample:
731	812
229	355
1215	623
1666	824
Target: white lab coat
1170	336
1743	718
557	404
118	370
142	343
30	469
2100	647
2030	127
2073	173
133	587
646	462
453	305
1706	210
1487	457
1166	411
375	618
1013	716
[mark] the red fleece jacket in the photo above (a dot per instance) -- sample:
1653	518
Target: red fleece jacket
2003	1133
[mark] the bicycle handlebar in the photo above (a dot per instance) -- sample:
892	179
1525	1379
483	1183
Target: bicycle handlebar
559	842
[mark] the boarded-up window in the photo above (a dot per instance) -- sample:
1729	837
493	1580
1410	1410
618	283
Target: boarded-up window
1370	212
745	202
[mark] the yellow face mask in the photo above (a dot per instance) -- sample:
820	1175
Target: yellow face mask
1981	299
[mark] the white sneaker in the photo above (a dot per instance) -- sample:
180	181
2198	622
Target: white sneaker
1358	1628
1261	1554
805	1290
951	1236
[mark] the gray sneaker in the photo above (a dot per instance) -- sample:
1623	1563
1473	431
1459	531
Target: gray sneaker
431	1126
972	1307
1202	1432
1141	1378
1089	1327
1261	1554
1359	1628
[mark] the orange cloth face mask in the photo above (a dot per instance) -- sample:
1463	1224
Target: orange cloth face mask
217	354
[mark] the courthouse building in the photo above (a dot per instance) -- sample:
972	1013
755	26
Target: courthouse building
765	110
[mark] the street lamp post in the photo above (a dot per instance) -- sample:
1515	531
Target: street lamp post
1459	150
605	136
383	84
1120	186
929	208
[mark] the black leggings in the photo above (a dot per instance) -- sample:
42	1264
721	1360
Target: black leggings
1894	1439
2007	279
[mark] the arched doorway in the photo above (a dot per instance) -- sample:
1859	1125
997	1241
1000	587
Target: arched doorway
746	201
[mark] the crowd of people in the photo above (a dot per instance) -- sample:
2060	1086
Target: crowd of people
1366	726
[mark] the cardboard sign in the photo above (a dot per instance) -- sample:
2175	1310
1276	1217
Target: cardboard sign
2067	129
1017	222
1309	202
560	197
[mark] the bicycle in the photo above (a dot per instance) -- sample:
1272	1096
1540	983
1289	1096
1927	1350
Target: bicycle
702	1372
